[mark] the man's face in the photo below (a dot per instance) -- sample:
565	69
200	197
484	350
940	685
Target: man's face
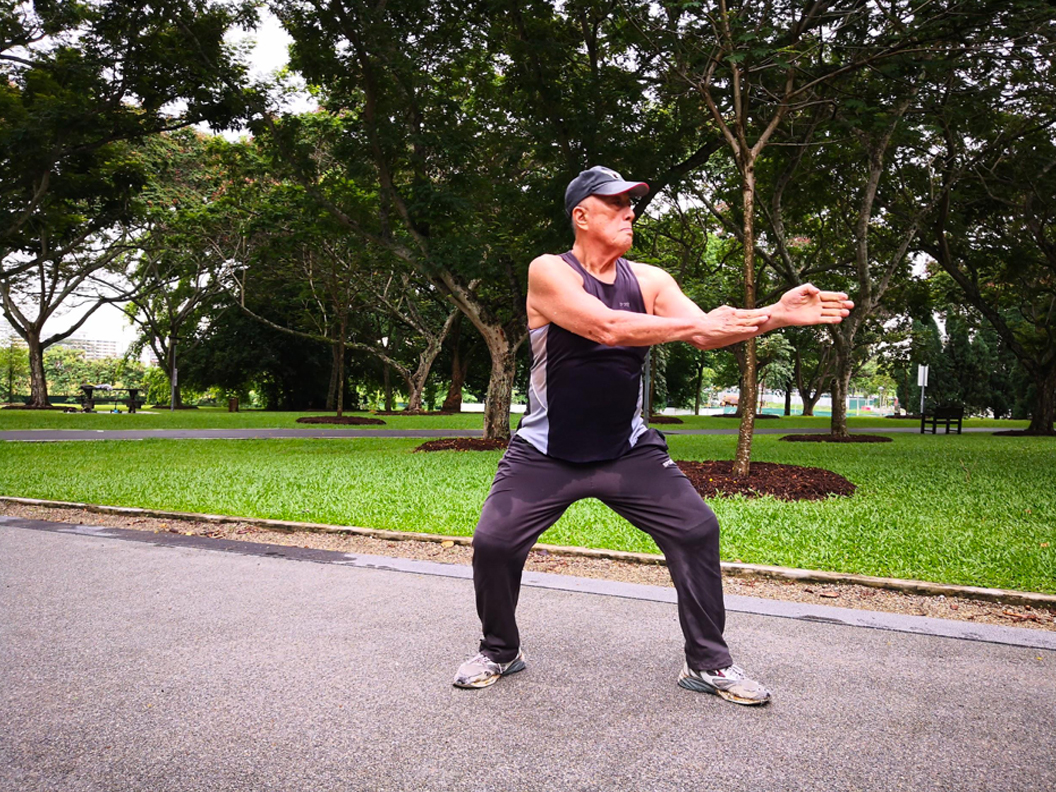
609	219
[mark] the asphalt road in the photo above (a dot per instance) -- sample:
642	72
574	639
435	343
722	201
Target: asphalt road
143	664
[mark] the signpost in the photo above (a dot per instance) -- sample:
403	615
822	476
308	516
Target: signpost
922	381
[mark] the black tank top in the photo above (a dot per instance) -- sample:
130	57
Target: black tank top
585	398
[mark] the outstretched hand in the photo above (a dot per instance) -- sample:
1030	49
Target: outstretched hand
725	325
809	305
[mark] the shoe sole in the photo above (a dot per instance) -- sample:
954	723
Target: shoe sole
515	666
703	687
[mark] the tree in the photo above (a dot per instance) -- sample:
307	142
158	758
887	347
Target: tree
463	124
81	81
190	235
81	280
81	78
996	234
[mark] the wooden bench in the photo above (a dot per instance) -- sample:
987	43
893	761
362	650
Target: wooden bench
91	394
946	415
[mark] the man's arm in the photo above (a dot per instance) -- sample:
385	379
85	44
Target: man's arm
556	294
803	305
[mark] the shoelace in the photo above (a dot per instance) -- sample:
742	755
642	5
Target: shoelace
483	660
734	672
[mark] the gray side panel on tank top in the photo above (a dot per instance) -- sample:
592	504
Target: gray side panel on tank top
535	425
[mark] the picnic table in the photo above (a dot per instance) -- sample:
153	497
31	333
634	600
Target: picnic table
91	394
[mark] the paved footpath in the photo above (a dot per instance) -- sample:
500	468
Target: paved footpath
134	661
55	435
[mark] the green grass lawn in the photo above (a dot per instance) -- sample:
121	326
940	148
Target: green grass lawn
220	418
970	509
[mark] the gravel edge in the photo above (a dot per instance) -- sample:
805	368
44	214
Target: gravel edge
910	597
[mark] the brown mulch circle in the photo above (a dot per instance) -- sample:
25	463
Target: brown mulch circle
463	444
665	419
412	412
354	420
1023	433
828	438
784	482
60	408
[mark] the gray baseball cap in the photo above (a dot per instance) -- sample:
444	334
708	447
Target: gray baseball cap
600	181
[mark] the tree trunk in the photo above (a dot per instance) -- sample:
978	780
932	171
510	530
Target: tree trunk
453	400
746	405
841	384
700	382
1044	412
809	401
340	352
336	358
416	382
788	399
38	381
387	385
749	392
500	384
459	370
415	387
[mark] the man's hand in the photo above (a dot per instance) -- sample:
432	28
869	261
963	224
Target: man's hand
809	305
726	325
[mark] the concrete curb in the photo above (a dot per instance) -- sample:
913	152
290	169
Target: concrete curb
1004	596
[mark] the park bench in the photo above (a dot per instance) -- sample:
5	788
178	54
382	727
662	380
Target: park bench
93	394
947	415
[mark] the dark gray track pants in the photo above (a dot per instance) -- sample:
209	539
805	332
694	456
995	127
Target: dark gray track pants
531	491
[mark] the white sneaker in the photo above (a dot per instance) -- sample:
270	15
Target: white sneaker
481	671
730	683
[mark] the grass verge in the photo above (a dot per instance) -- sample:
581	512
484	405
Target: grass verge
971	510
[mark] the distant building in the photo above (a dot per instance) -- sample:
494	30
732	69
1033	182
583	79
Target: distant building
94	349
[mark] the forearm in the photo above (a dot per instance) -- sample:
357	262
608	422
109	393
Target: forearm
625	328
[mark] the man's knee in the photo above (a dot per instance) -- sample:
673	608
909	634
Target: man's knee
702	530
493	546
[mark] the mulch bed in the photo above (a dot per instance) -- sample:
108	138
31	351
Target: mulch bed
828	438
353	420
665	419
463	444
784	482
60	408
1023	433
713	479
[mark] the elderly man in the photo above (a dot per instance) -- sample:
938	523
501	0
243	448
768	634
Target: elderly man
592	315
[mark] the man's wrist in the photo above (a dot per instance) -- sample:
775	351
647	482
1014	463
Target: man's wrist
777	318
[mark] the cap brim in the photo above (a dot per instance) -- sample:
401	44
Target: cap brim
636	189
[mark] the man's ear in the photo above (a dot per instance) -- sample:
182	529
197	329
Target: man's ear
579	217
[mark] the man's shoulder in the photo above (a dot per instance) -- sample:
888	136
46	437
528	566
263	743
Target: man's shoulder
648	272
547	260
549	265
